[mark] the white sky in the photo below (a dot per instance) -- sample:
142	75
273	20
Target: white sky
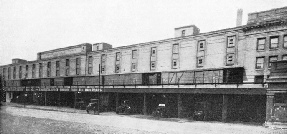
31	26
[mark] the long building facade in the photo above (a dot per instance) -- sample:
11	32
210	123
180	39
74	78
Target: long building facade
224	73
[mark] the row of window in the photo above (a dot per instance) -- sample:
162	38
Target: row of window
260	61
34	70
273	42
175	61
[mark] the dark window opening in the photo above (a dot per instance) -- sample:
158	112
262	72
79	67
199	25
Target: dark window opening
259	79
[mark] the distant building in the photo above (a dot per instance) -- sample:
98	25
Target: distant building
223	73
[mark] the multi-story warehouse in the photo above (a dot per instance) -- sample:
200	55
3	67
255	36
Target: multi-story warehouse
222	73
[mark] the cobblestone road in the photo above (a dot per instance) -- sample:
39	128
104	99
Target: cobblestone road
110	123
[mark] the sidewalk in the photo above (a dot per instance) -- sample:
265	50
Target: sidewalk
48	108
149	117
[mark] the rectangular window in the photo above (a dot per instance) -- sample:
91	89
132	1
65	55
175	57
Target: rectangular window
259	63
67	63
57	68
103	63
274	42
20	72
259	79
285	41
133	67
48	69
9	73
231	41
174	63
4	72
284	57
134	54
272	58
152	65
117	68
90	64
103	68
118	56
67	72
27	70
230	59
175	56
14	72
201	45
33	71
175	48
183	33
200	61
40	70
103	58
261	43
153	52
78	66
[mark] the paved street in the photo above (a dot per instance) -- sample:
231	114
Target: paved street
25	120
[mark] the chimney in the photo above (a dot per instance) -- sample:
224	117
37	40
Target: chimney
239	17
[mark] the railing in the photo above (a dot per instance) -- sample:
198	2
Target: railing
134	85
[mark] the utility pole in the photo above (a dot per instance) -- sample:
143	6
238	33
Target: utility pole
99	88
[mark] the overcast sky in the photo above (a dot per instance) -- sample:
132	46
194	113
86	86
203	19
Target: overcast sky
31	26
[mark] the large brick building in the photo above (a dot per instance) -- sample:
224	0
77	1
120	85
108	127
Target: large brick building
223	71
